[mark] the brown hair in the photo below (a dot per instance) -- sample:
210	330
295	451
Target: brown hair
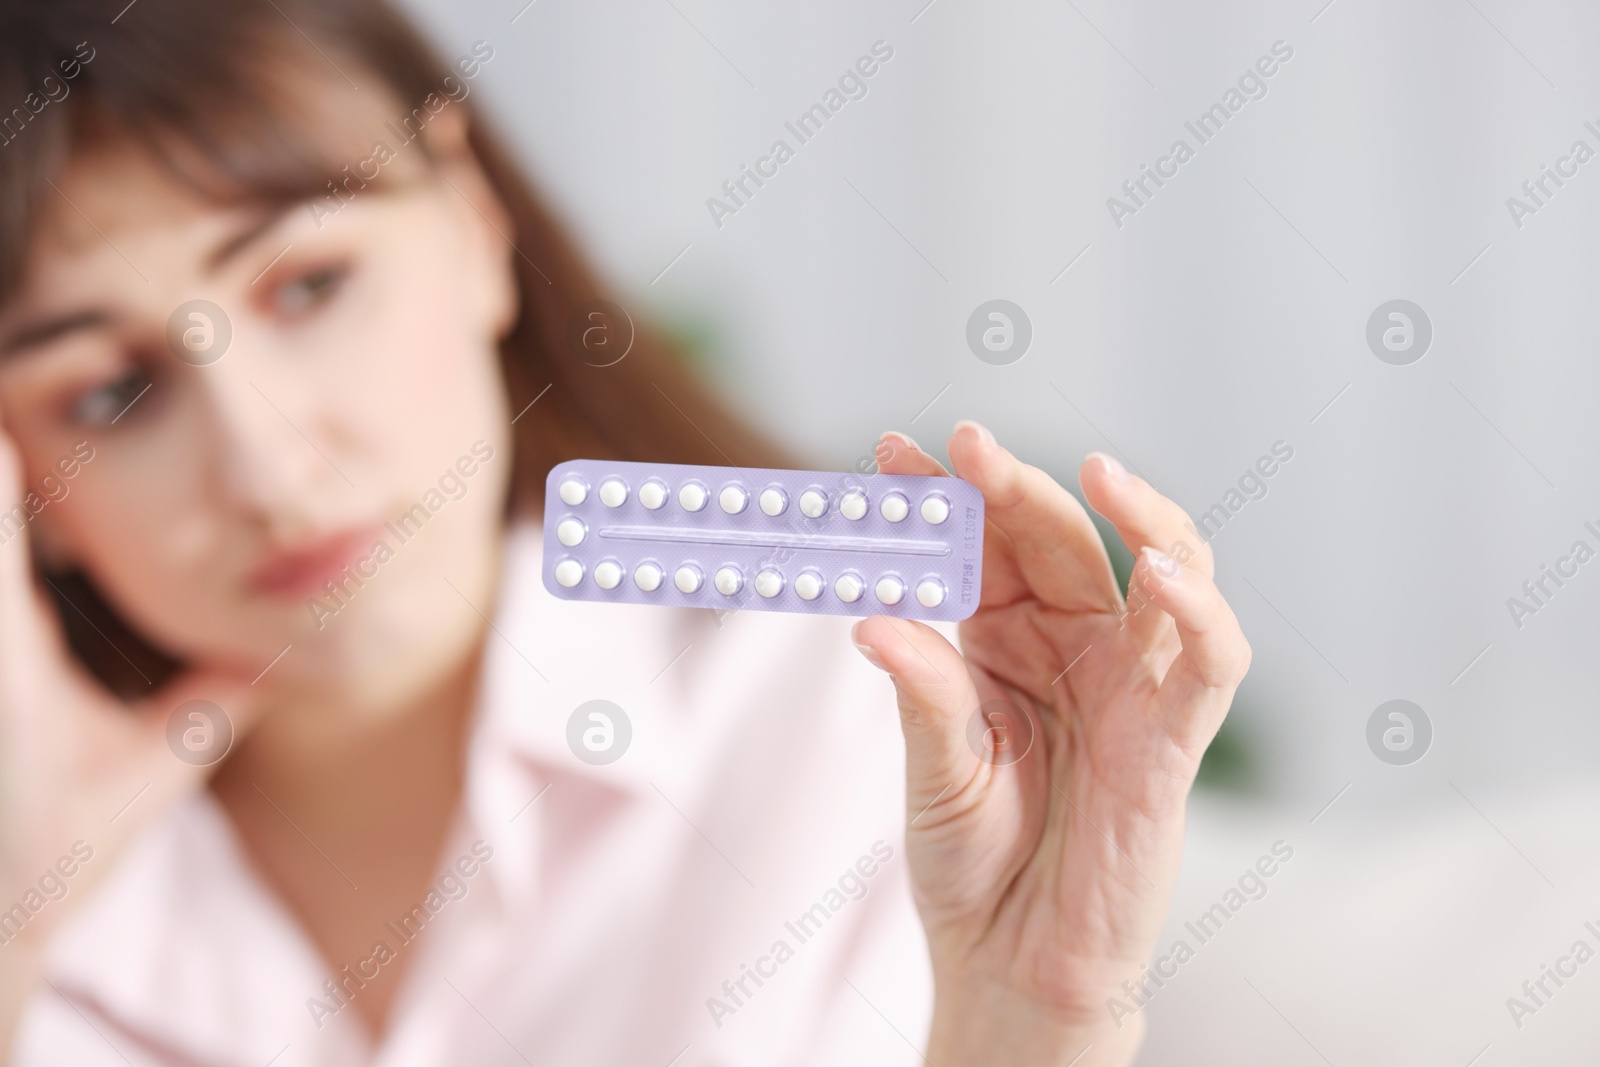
200	82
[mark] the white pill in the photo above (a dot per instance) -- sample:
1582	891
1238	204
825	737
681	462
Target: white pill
930	592
687	578
935	508
608	575
773	501
573	492
769	583
652	494
848	587
692	496
813	504
569	572
647	576
853	505
729	580
889	590
613	492
894	506
570	532
808	586
732	499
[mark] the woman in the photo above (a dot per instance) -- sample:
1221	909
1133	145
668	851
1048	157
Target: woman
268	284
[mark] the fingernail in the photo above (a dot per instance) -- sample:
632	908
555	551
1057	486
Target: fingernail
1160	562
891	442
1114	470
867	651
905	439
983	433
871	656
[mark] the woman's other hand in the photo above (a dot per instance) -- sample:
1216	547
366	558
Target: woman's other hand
80	773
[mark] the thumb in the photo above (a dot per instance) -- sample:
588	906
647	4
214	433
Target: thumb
938	702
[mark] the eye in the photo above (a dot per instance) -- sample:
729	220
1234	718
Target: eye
106	404
307	292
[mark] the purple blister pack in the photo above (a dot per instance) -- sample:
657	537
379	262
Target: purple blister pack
735	538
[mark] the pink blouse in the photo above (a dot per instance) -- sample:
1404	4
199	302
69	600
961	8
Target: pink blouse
730	890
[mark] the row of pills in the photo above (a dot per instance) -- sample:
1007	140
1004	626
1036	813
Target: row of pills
769	582
733	498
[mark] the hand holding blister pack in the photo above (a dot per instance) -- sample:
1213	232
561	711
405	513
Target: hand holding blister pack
810	542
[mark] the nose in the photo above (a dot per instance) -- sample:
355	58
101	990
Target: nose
273	438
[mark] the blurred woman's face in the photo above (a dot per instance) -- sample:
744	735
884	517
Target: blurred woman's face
333	482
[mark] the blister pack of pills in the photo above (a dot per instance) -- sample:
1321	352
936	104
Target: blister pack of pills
813	542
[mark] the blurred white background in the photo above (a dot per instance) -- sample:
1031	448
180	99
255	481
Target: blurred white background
1228	314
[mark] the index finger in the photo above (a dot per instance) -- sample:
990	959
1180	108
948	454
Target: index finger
1047	546
1002	582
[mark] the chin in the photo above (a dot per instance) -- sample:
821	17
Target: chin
400	634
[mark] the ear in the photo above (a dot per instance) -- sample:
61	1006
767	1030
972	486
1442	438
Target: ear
487	218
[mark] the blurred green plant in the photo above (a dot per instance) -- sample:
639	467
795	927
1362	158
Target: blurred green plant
696	337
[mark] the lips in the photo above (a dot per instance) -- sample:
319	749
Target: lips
304	568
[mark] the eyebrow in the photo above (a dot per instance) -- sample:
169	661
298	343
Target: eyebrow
253	231
42	333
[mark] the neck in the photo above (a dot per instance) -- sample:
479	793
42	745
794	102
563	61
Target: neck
311	735
344	810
